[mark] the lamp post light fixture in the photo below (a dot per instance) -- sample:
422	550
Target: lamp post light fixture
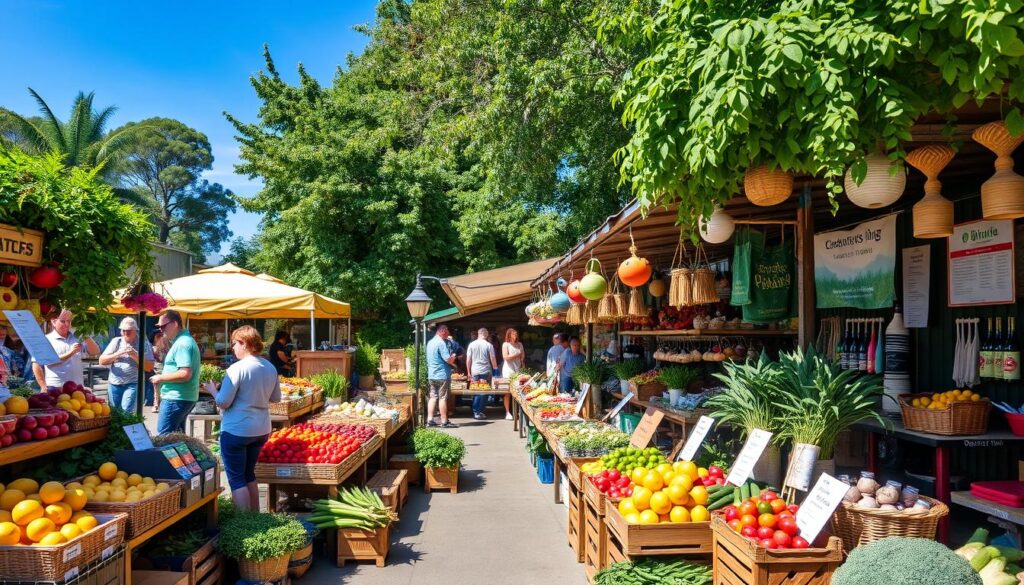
418	303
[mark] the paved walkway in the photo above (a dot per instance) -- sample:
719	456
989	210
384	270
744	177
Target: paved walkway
503	527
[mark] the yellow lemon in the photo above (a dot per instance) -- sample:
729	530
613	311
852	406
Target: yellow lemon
86	523
26	511
162	487
134	479
637	476
10	533
108	471
75	404
683	480
92	480
63	398
663	468
118	496
649	517
59	513
660	503
51	492
119	483
78	395
39	528
641	498
632	518
699	494
87	414
702	472
100	497
653	481
699	514
10	498
52	539
689	468
679	515
626	506
121	474
133	497
70	530
76	498
668	476
677	494
148	481
148	494
73	484
28	486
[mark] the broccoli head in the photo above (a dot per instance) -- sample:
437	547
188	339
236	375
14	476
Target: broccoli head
905	561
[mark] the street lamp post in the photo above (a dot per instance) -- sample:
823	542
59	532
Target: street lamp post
418	303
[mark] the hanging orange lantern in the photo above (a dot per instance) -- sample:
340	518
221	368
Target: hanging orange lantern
574	292
635	271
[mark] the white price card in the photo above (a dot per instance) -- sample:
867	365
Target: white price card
107	552
209	474
284	472
622	404
72	552
696	438
139	436
71	573
24	323
195	481
584	391
110	533
747	459
819	505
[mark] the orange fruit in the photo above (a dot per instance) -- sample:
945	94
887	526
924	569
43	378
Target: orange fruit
699	494
638	475
108	471
684	480
641	498
627	507
16	405
649	517
87	414
653	481
70	530
87	523
10	498
52	539
39	528
76	498
10	533
51	492
59	513
632	518
689	468
668	476
663	468
679	515
660	503
677	494
26	511
26	485
699	514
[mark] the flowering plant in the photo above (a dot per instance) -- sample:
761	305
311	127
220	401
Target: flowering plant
149	302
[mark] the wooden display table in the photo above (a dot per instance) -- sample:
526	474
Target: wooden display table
208	419
209	501
31	450
309	363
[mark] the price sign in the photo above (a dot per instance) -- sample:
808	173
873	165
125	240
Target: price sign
615	410
209	474
747	459
71	573
696	438
582	400
821	502
195	482
139	436
645	429
284	472
72	552
107	552
110	532
32	336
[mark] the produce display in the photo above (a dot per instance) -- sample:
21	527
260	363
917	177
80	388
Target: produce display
995	564
480	385
210	373
314	442
47	514
611	483
907	560
866	492
361	409
355	507
591	440
667	493
38	426
398	376
652	571
293	388
645	378
109	484
763	517
943	401
626	459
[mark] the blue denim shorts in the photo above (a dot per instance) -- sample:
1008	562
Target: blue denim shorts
239	455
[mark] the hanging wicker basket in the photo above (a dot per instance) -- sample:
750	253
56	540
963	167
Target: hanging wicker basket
590	313
1002	196
767	187
637	304
933	215
575	315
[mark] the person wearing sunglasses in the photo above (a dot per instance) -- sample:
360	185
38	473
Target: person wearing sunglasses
122	357
178	383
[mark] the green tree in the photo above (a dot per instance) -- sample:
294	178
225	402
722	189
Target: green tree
163	168
80	141
242	252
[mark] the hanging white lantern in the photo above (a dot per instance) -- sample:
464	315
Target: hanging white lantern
717	228
880	187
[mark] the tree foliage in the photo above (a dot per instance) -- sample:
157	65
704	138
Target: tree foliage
89	232
468	135
163	167
806	85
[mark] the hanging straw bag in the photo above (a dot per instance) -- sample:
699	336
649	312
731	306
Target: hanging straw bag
606	312
704	290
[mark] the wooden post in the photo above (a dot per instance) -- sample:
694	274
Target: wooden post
805	267
593	398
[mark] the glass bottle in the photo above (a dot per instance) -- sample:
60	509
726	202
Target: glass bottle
985	357
997	351
1011	352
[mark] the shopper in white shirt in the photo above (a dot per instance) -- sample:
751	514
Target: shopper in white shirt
512	353
69	350
482	363
558	345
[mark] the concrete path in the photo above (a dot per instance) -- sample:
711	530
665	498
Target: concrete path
503	527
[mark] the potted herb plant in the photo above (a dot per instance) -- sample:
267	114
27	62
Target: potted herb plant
366	361
334	385
625	370
678	380
440	454
261	543
593	374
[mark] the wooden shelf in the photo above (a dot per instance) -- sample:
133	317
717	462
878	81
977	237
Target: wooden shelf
1004	512
24	451
722	332
141	539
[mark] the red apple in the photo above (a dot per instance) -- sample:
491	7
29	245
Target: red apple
24	435
64	429
52	431
40	434
29	422
45	419
69	387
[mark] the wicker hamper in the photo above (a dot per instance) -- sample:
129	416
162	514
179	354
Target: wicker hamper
857	526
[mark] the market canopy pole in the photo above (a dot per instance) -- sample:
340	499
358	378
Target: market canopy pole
140	389
805	267
312	331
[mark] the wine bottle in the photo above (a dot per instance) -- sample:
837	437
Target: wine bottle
844	353
997	351
1011	352
862	349
985	355
841	346
870	356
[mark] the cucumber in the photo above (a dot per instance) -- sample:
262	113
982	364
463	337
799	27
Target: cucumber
736	500
719	503
755	490
745	492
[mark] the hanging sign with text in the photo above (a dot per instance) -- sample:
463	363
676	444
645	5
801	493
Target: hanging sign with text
645	429
981	270
856	267
756	443
21	247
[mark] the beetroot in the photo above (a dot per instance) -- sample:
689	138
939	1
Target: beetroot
23	435
40	433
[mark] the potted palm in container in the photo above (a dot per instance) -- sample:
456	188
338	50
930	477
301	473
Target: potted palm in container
440	454
625	370
261	543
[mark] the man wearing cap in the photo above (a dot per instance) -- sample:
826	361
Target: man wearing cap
122	357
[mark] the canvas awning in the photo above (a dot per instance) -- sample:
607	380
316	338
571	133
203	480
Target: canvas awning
230	292
443	315
490	289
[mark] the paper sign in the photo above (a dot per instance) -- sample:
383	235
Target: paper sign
582	400
819	505
139	436
801	467
645	429
916	280
284	472
32	336
981	270
622	404
696	438
195	482
747	459
110	533
107	552
209	474
72	551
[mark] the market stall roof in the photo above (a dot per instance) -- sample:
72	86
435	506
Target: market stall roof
481	291
230	292
443	315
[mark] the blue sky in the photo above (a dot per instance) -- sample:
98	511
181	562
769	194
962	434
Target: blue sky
189	61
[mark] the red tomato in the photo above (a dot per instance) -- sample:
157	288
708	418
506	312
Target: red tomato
731	512
749	531
626	491
614	493
766	520
792	508
768	496
765	532
766	543
748	520
782	539
800	542
735	524
777	505
748	508
715	471
788	525
784	514
613	474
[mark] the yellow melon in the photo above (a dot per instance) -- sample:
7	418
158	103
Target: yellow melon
86	523
52	539
10	533
10	498
59	513
51	492
26	511
26	485
39	528
76	498
70	530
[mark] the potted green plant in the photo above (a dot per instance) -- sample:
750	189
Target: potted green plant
625	370
678	380
440	455
261	543
367	360
334	384
590	375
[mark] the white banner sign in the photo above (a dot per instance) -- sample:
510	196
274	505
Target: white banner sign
981	270
856	267
819	505
32	336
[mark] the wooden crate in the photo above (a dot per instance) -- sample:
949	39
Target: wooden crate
686	539
363	545
739	561
391	486
201	565
613	550
573	472
595	497
595	540
576	531
441	478
411	466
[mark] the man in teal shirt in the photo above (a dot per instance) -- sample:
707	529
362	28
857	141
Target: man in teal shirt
178	383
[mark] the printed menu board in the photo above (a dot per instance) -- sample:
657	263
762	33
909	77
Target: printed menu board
981	267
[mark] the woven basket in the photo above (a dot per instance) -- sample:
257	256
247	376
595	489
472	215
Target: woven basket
575	315
51	563
76	424
1002	196
961	418
606	309
857	526
933	215
286	407
681	293
143	515
637	306
704	289
766	187
621	305
264	571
